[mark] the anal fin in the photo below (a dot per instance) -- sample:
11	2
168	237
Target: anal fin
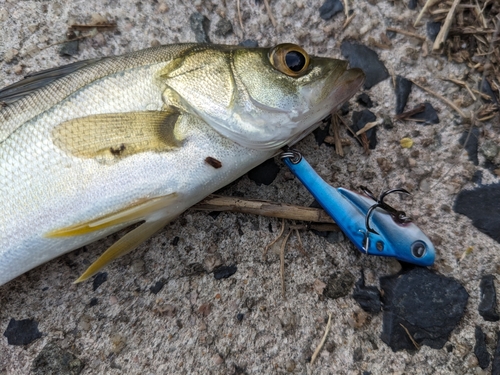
131	214
123	246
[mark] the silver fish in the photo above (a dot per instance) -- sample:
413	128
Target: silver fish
98	145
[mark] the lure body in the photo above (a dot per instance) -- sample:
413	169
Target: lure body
403	241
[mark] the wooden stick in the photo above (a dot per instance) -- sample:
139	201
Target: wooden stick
441	97
263	208
443	33
428	4
408	33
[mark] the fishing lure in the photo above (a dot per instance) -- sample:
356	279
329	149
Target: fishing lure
372	225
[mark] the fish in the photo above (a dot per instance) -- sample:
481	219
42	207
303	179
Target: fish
100	145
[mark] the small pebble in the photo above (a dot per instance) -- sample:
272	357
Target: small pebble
433	29
364	100
488	304
99	279
225	271
402	90
22	332
264	173
481	206
155	289
223	27
406	142
480	350
495	368
430	318
471	144
368	297
339	285
217	360
429	115
200	26
330	8
489	149
249	43
359	120
360	56
52	359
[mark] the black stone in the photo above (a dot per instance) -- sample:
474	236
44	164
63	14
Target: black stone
359	120
368	297
223	27
249	43
200	26
157	287
482	355
323	131
240	317
364	100
428	305
428	115
357	355
330	8
488	305
360	56
482	206
22	332
488	90
339	285
495	368
69	48
214	214
93	302
99	279
433	29
403	90
264	173
412	4
344	110
477	177
224	272
472	144
54	360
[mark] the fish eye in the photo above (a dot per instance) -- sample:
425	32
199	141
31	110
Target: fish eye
289	59
418	249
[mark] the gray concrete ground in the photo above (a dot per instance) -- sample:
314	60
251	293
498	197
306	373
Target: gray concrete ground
191	326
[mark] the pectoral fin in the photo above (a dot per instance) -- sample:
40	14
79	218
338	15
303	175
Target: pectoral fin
117	135
123	246
134	213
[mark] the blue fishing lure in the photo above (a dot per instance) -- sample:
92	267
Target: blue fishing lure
373	226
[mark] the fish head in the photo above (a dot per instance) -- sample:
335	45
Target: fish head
260	98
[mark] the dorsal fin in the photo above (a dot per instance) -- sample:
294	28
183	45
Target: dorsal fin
34	81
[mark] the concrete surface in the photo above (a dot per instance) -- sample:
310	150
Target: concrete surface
191	325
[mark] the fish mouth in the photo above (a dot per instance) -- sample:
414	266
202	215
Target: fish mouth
344	88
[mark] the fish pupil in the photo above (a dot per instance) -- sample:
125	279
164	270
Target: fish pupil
295	61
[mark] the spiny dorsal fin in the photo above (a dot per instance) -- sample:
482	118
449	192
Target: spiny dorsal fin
33	82
117	135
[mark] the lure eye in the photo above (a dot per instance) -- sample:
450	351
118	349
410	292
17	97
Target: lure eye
418	249
289	59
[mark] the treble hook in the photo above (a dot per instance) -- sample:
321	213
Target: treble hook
399	216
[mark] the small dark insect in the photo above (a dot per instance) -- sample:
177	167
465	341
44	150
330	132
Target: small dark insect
117	151
3	104
213	162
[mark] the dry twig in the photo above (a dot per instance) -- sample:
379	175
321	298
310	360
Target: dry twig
318	349
443	33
